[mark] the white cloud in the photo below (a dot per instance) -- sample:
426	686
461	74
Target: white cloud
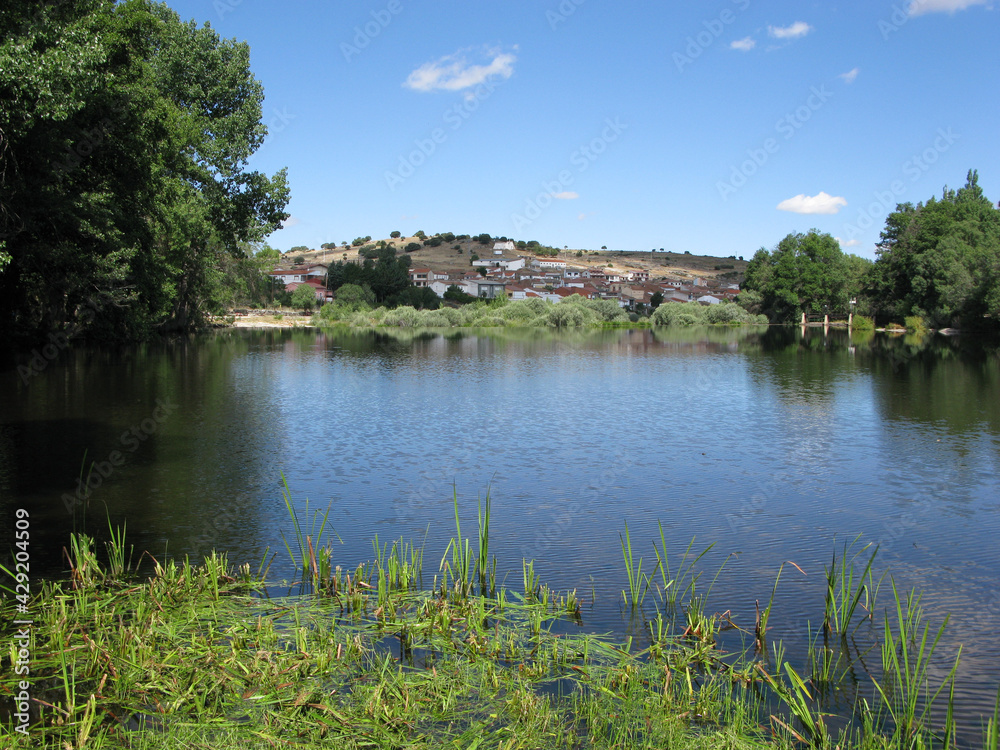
919	7
818	204
797	29
290	222
456	73
849	243
850	75
744	45
569	195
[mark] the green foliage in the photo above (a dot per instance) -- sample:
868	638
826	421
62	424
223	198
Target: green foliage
411	247
354	295
693	313
804	273
454	293
304	297
359	241
395	235
126	135
419	234
863	323
384	274
939	260
298	260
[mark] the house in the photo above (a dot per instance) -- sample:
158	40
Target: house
503	247
708	299
420	277
298	274
483	288
549	263
506	263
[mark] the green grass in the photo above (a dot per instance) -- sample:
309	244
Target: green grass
200	656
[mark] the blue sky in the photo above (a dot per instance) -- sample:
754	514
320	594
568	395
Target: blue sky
715	128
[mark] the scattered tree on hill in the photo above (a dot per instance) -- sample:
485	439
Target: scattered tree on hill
299	260
412	246
419	234
395	235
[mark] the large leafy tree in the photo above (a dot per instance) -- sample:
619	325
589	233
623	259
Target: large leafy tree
940	259
804	273
124	139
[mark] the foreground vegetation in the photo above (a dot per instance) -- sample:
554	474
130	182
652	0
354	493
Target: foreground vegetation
378	656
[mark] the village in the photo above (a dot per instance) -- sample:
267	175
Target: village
504	272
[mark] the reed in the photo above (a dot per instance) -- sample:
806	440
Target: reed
680	586
305	562
906	657
846	591
638	584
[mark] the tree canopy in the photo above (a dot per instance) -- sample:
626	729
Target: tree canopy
940	260
804	273
124	139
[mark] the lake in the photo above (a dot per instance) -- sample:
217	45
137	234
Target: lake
774	444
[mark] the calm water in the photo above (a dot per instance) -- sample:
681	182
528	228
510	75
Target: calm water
770	443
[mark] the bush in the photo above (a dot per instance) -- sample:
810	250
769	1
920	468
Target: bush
402	317
411	247
863	323
678	313
570	316
915	324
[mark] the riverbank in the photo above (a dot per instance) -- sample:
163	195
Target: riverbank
378	656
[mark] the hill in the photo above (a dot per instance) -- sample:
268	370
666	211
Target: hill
457	254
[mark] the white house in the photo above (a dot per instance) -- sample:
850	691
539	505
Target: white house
507	264
549	263
502	247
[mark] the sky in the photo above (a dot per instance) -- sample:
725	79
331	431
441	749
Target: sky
713	128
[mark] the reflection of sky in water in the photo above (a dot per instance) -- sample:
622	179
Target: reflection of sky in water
769	452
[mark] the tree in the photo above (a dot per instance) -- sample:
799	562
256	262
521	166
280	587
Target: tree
298	260
655	300
455	293
939	260
355	295
419	234
299	249
304	297
125	137
804	273
395	235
